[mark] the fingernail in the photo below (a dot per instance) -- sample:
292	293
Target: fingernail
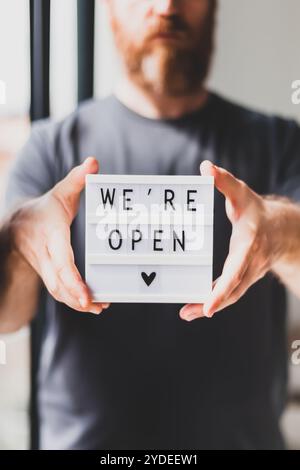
191	316
195	316
206	311
96	311
86	161
185	318
182	310
82	302
209	314
105	306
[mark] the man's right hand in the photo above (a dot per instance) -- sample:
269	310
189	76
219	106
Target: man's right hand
41	233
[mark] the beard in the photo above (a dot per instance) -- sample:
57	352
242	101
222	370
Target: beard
176	68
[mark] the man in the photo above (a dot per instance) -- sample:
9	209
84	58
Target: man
137	376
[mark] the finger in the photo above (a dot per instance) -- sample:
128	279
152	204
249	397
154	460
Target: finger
190	312
63	296
58	291
82	297
251	276
75	292
105	305
62	258
233	271
225	182
54	284
231	187
193	311
207	168
71	186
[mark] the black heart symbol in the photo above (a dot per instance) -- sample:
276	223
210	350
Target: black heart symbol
148	278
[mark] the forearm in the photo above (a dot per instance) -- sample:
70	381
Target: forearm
19	284
285	229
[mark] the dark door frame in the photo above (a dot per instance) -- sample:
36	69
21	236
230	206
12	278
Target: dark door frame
40	109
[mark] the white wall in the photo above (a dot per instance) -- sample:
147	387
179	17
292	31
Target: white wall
63	57
258	53
14	55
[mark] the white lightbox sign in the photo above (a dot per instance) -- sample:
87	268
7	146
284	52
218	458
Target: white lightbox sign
149	238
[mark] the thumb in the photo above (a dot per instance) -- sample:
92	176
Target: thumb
230	186
69	189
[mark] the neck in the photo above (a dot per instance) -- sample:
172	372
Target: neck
157	106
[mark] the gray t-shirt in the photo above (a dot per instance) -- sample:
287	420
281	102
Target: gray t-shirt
137	376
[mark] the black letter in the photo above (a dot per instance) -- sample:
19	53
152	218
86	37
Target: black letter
134	241
190	200
169	199
125	207
108	196
157	240
181	243
110	239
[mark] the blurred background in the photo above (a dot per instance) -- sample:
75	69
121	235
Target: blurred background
256	61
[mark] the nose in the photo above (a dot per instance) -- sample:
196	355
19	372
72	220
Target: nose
165	7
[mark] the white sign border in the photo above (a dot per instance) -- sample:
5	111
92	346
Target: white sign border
154	180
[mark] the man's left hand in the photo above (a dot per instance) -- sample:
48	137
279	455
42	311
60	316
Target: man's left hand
254	247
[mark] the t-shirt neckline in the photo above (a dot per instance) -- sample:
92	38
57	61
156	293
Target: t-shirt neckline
187	117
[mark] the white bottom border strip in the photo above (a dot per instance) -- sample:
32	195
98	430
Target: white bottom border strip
144	298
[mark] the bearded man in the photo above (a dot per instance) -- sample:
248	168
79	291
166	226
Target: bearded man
159	376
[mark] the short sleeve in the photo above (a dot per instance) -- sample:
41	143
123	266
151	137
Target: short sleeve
286	148
33	172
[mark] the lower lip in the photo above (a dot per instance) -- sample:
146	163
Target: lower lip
167	37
